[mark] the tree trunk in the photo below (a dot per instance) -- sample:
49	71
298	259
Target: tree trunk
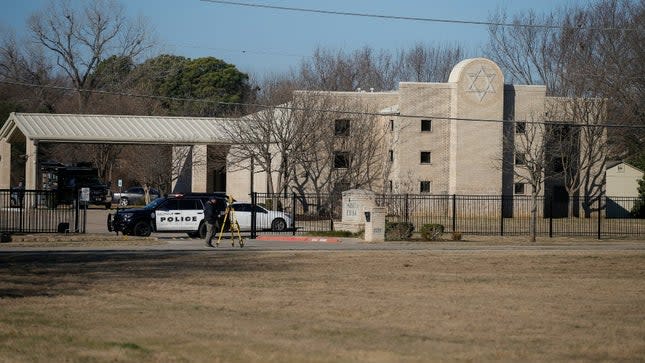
533	223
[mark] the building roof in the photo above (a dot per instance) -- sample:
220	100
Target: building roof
613	163
116	129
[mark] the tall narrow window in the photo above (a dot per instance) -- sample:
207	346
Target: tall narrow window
391	155
519	159
426	157
341	127
519	188
390	186
341	160
391	125
424	186
426	125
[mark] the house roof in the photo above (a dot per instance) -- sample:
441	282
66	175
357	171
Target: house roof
116	129
613	163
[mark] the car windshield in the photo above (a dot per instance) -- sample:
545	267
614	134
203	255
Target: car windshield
155	203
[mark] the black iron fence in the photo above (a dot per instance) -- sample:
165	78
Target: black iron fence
36	211
511	215
304	212
599	217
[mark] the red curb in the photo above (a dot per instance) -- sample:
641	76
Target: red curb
298	239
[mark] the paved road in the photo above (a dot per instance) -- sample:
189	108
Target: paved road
180	242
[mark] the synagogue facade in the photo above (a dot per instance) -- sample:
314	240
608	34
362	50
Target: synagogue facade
461	137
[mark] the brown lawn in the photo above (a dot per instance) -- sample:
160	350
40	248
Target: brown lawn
367	306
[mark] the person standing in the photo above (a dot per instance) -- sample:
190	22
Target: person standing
211	214
20	193
146	194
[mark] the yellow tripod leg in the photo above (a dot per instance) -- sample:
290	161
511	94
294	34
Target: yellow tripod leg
221	231
239	236
236	226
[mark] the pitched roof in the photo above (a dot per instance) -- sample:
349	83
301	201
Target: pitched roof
115	128
613	163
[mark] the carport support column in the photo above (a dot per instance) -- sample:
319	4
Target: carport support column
5	164
200	167
181	168
31	165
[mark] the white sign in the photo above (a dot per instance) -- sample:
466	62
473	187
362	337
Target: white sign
119	183
85	194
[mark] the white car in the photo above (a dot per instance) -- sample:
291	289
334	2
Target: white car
265	219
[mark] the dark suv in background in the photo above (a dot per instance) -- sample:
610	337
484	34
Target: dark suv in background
173	213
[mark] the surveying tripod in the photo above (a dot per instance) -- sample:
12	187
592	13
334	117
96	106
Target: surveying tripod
229	214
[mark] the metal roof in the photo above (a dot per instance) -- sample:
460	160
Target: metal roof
117	129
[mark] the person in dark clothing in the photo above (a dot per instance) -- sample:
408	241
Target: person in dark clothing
19	192
211	216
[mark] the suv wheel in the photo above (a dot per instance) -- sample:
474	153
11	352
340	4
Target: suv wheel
142	229
123	202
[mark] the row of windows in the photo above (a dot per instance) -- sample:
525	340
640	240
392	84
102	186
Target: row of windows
425	186
426	125
342	126
342	159
425	156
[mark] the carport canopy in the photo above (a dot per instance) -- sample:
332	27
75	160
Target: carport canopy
33	128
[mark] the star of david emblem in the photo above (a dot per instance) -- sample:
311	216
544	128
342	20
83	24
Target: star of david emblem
481	83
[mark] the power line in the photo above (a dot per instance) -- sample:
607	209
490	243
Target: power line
342	112
243	51
411	18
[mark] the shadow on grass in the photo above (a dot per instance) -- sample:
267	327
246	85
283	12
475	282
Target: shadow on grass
26	274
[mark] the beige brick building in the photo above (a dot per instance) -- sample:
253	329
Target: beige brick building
446	138
459	137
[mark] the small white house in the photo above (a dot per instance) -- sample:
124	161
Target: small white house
621	188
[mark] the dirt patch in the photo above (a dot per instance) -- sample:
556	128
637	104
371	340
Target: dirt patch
377	306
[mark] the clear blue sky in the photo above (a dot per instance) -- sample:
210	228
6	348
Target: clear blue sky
261	41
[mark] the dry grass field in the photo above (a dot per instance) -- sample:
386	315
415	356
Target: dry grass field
338	306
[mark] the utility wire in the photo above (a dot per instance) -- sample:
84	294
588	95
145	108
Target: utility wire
342	112
412	18
243	51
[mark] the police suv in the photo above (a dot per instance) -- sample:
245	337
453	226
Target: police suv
176	213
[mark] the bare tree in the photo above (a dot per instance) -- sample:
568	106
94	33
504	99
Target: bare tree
580	147
28	64
595	50
368	69
344	146
425	63
149	164
79	40
268	134
527	158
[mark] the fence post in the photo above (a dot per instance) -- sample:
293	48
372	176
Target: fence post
454	212
501	224
254	202
599	215
293	212
77	206
21	205
84	218
407	216
550	216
